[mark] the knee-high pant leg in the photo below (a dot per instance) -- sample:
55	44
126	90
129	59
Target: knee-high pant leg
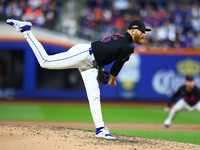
93	92
180	105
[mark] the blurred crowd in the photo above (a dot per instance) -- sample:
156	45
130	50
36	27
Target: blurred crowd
43	13
175	23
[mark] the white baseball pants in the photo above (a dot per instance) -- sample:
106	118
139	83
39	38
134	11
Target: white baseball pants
180	105
76	57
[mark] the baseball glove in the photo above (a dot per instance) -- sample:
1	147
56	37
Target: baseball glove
103	76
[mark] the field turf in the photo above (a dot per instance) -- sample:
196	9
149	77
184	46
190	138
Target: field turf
45	112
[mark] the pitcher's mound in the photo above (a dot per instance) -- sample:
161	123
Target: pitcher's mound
60	138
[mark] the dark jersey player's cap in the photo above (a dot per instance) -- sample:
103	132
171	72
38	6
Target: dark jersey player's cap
138	24
189	78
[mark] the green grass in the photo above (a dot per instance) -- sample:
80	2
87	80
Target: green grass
45	113
82	113
146	115
110	114
184	137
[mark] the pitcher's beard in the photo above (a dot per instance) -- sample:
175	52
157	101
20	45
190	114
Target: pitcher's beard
140	41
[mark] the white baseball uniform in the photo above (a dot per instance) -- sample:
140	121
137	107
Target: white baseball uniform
116	48
79	56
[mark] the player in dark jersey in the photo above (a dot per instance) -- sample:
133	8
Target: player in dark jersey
116	48
190	96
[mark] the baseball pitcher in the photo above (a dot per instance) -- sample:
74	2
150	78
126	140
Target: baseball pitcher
90	59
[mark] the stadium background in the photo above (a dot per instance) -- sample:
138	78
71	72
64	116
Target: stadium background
153	73
30	95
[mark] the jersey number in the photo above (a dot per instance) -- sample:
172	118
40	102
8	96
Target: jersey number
107	39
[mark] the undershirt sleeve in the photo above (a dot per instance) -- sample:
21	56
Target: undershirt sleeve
118	64
124	56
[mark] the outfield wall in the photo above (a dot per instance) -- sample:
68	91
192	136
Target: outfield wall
148	75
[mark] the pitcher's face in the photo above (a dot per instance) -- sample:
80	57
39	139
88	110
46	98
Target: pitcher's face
139	36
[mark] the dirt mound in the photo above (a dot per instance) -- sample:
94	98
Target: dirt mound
116	126
44	137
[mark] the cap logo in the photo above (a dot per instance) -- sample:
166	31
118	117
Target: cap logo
135	26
